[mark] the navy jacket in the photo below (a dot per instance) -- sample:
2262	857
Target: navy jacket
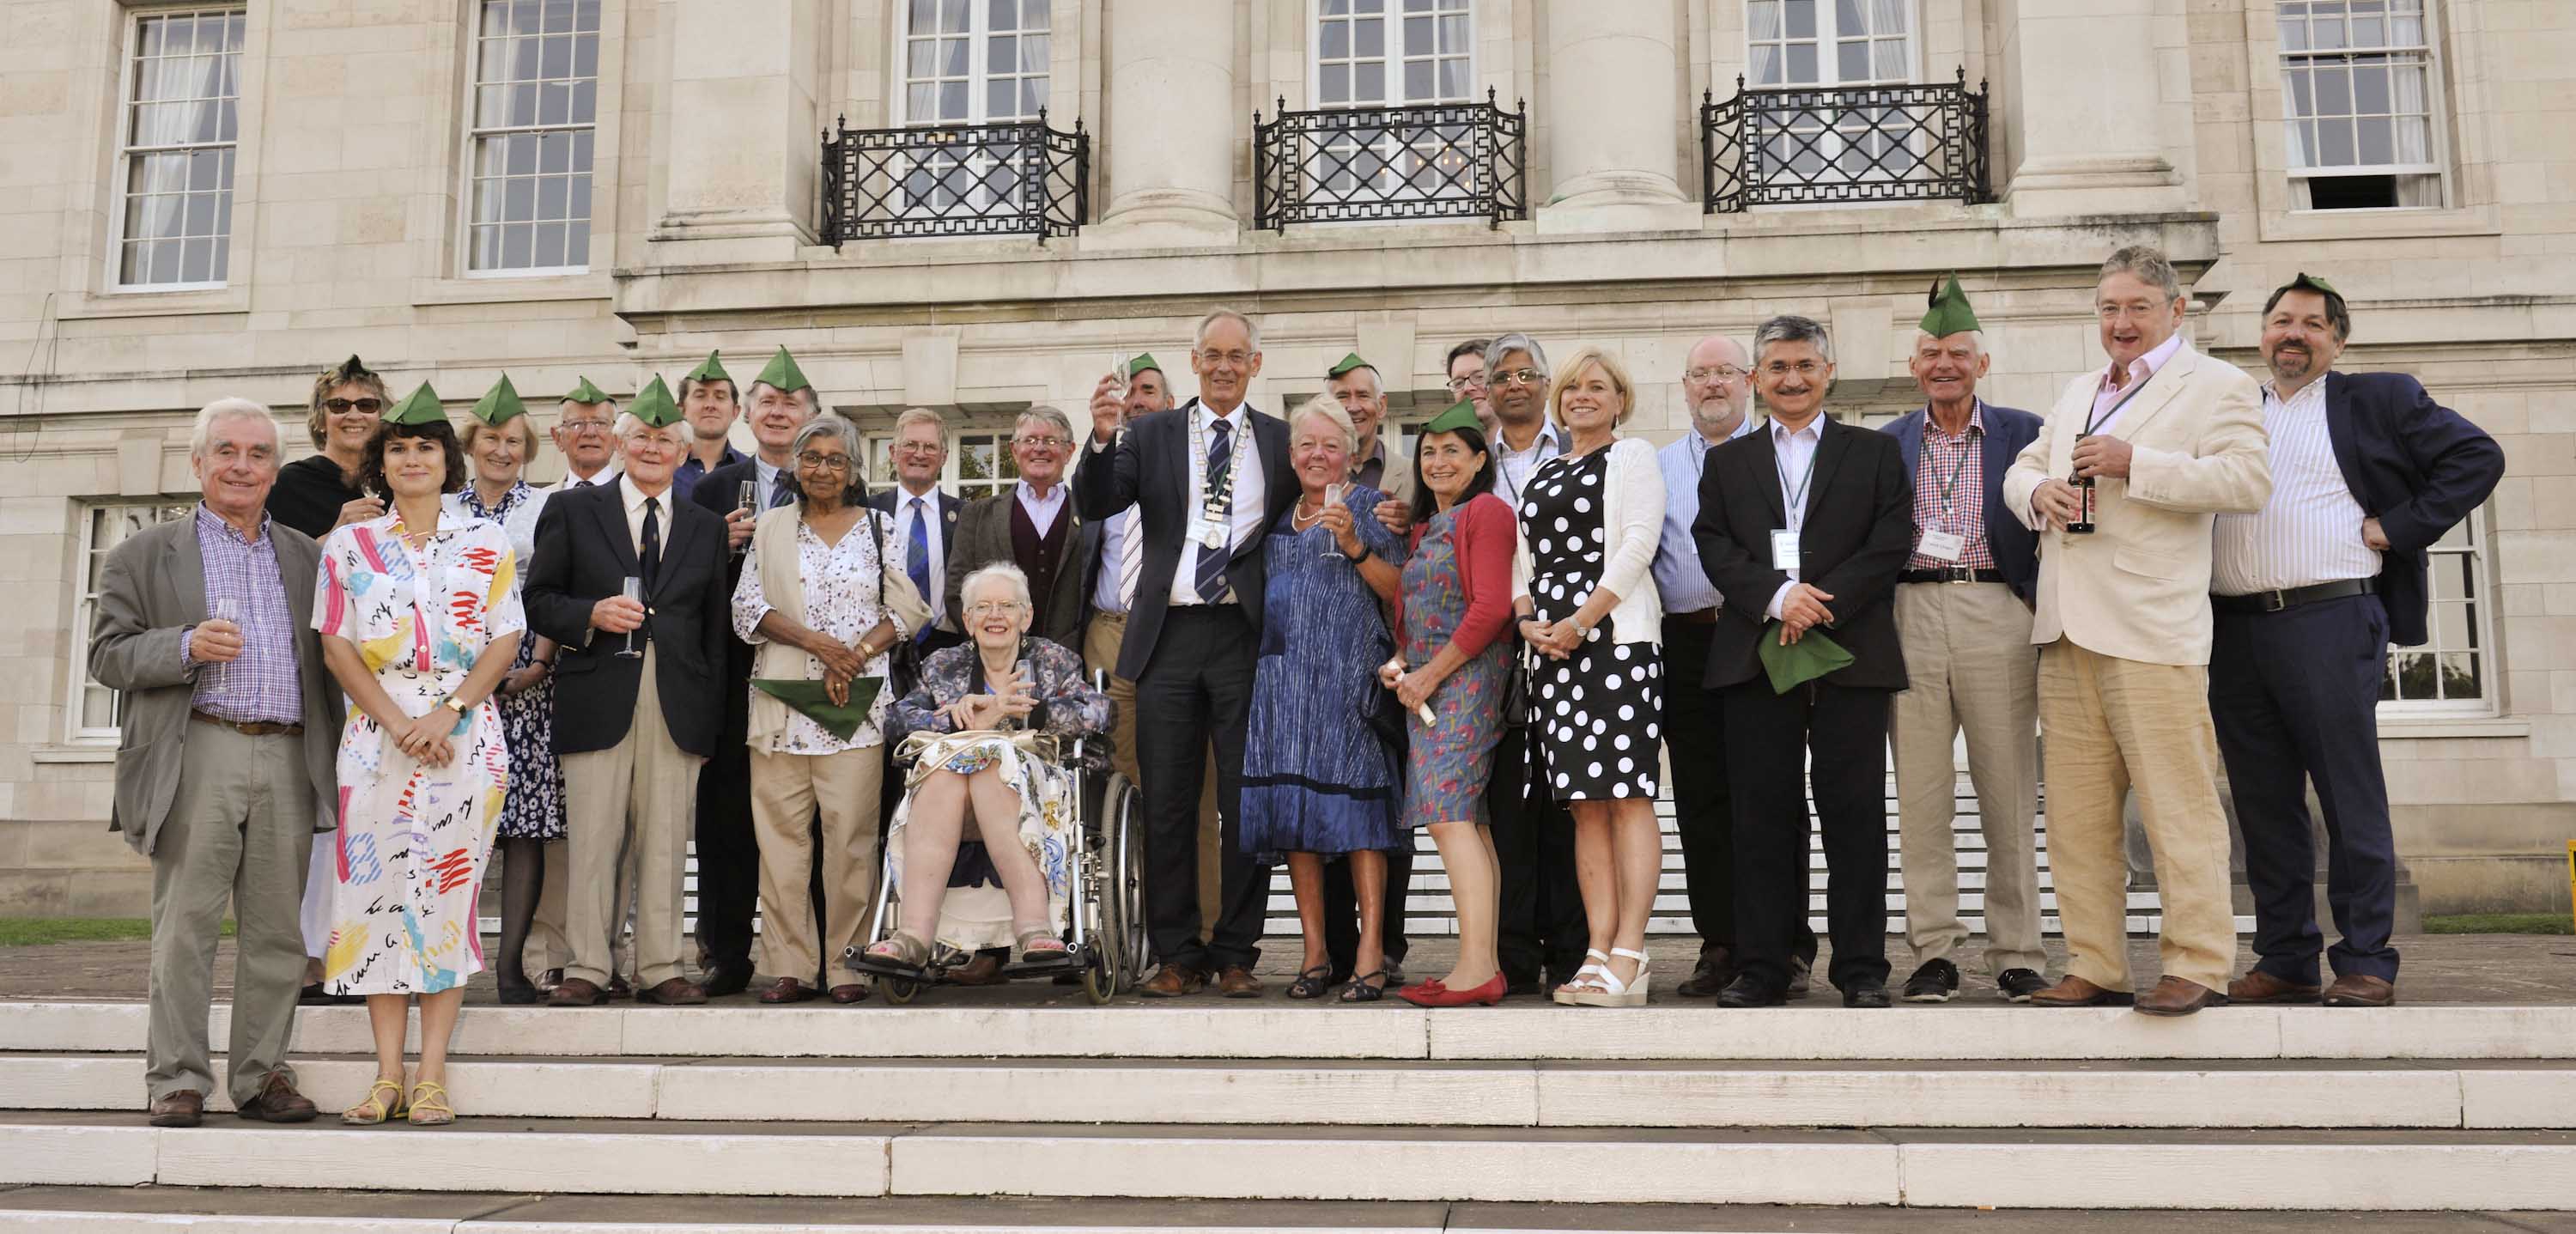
2008	429
2416	466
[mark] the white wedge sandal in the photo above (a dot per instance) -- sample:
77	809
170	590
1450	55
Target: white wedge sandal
1608	991
1583	977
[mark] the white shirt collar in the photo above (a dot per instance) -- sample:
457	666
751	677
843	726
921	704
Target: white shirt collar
1029	495
1546	437
633	497
1813	430
2148	365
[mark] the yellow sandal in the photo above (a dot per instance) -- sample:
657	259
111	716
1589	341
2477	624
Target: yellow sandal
430	1099
376	1110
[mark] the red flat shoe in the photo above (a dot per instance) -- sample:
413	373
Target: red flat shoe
1434	994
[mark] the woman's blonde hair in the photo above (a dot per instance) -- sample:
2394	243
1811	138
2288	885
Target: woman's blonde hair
1330	409
1583	358
475	428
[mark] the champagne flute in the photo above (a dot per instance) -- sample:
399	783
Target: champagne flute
226	609
1333	494
633	589
748	497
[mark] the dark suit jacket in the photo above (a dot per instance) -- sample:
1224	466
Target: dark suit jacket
945	627
583	556
1150	469
2008	429
2416	466
982	536
1858	530
719	492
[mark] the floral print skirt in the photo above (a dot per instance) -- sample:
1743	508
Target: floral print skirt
978	915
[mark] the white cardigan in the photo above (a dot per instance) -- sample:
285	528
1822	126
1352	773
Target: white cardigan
1633	517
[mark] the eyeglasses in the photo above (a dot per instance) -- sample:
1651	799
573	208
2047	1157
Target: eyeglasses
1044	443
1461	385
1517	377
1803	368
811	461
1235	358
991	608
1723	372
343	406
918	447
583	426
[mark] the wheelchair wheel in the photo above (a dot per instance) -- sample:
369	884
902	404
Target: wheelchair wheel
1126	898
1099	977
898	990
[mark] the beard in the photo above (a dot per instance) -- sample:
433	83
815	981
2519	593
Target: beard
2289	365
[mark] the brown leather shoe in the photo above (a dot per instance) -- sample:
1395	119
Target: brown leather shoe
847	994
1172	981
675	992
2178	996
984	969
786	990
184	1108
576	992
2357	990
278	1102
617	987
1236	981
2074	991
2258	986
549	979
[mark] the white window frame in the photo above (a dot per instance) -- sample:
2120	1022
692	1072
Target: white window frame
1397	54
126	111
2480	627
85	606
979	79
2436	149
471	108
877	449
1828	41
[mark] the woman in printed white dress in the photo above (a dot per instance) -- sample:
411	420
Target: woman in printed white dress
419	620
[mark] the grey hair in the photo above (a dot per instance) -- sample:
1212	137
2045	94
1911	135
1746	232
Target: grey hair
627	426
1517	342
2149	264
1045	414
1251	328
1330	409
1975	336
834	427
921	415
806	397
1788	329
201	433
1002	572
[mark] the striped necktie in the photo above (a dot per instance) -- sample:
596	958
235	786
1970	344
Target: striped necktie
1215	503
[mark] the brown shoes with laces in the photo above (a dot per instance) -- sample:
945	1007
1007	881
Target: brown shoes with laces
2179	996
674	992
786	990
1237	981
1173	981
576	992
2357	990
2074	991
2262	987
184	1108
278	1102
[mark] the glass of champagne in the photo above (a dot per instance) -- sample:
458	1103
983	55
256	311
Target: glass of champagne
226	609
748	497
1333	494
632	590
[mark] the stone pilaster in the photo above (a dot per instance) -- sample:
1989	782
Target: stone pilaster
1172	125
743	161
2092	88
1613	108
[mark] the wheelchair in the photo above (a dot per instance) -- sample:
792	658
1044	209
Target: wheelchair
1104	925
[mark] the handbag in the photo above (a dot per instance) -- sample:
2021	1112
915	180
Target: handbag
1516	686
1386	718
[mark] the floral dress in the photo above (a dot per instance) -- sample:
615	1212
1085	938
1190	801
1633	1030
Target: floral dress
976	914
535	807
1450	760
840	585
414	839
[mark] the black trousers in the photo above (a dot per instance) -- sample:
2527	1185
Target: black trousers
728	858
1541	925
1703	810
2294	696
1342	912
1844	732
1197	686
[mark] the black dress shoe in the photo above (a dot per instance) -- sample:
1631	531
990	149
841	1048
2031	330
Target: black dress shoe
1934	982
2016	985
1750	991
1715	970
1867	994
1801	974
515	994
726	978
1523	989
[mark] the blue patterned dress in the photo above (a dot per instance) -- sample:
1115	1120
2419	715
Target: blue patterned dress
1316	778
1451	760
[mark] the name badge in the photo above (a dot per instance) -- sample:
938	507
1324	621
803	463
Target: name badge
1784	549
1943	545
1211	533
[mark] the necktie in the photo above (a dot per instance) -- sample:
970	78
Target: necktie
1131	557
779	494
1214	503
651	554
916	557
581	484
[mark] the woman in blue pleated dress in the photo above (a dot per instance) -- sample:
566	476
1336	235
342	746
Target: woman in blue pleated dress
1319	783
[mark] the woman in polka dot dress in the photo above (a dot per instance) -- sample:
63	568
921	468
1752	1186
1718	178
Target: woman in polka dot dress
1590	522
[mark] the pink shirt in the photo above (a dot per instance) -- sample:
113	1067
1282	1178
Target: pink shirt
2109	393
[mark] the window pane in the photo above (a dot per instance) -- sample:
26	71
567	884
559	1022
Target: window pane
1369	36
1368	84
1802	63
2335	144
2460	676
1335	85
1852	61
1034	15
2378	141
1337	40
1417	81
1001	55
1453	78
1802	18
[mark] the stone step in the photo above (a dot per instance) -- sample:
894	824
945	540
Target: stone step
2364	1170
1422	1093
1211	1028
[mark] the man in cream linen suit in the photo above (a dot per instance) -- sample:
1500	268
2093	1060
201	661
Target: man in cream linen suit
2170	439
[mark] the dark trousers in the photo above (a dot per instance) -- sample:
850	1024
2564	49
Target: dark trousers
1541	919
1844	731
1703	811
1342	912
728	859
1197	686
2294	696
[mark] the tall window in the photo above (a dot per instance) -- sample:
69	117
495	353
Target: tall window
974	61
1793	44
536	110
103	527
2357	80
181	123
2454	670
1369	56
979	463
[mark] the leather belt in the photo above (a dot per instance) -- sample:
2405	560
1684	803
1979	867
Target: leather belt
1696	617
2276	600
250	728
1952	574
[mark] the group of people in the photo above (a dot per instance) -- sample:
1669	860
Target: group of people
1310	649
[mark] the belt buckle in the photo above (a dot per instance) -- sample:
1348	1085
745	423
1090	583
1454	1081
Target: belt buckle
2274	600
1960	574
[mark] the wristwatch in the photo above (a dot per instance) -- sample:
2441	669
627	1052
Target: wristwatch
452	703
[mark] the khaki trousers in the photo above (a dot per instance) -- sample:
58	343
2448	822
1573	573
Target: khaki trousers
2113	724
1968	655
240	832
548	947
639	793
787	790
1100	642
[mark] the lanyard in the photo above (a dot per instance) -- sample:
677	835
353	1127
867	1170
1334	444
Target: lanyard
1503	473
1797	497
1968	444
2093	424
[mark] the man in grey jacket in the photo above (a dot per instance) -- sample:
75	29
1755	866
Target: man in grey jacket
231	725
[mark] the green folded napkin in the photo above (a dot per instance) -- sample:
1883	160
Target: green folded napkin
1812	656
838	719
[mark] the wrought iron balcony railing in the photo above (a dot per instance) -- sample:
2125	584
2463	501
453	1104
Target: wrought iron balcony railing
1018	177
1819	144
1360	164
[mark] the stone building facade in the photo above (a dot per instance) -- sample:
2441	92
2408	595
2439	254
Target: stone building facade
220	198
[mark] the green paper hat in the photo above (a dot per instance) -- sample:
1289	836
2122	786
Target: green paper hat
418	407
2308	282
586	393
653	404
1461	414
1348	363
1949	313
1812	656
1143	363
500	404
712	370
782	373
841	720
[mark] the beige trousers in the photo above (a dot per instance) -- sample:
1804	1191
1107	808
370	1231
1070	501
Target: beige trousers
1968	655
787	790
548	946
638	794
2112	724
1100	641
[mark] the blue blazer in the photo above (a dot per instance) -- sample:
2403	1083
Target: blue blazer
2008	429
2416	466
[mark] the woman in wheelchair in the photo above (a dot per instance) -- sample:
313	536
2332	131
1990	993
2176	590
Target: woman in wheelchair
982	804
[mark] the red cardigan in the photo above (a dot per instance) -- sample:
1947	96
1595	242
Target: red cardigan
1487	532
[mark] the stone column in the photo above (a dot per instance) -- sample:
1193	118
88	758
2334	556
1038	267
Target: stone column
743	162
1613	109
1172	124
2092	89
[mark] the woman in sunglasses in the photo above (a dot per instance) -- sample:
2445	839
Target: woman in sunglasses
320	493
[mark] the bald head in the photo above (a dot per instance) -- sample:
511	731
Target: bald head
1716	385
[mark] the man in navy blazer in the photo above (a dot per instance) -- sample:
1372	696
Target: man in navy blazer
1207	478
1963	613
2367	473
